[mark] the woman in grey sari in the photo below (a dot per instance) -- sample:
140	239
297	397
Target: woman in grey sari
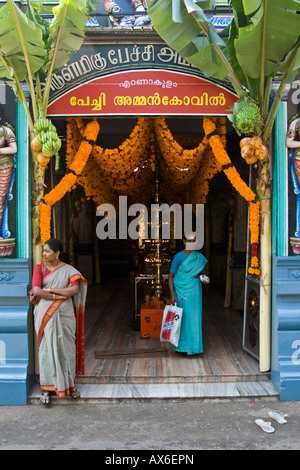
59	294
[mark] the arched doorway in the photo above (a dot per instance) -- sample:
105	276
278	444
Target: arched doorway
115	350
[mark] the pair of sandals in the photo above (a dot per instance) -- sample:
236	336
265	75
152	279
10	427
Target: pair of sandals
46	397
266	426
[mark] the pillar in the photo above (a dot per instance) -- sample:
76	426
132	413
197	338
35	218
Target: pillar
16	323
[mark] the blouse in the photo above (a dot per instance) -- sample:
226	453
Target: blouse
37	276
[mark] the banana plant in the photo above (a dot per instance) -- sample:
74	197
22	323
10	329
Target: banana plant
261	47
31	48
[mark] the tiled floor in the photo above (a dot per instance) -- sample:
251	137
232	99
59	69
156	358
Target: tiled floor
116	354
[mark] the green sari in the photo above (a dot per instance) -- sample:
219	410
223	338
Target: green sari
188	290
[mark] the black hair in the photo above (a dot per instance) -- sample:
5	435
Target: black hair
55	245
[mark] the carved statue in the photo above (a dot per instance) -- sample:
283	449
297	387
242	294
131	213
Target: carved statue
126	21
141	20
293	143
8	149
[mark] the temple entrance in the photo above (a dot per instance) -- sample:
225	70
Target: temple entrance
119	273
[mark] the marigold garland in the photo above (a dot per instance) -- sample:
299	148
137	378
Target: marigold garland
244	190
69	180
120	162
209	166
254	237
45	222
125	170
182	163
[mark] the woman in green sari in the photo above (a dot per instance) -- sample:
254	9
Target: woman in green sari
186	290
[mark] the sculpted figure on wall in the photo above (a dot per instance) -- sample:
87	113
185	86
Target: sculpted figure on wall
118	20
293	144
8	149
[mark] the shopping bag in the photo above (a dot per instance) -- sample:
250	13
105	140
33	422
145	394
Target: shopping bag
171	324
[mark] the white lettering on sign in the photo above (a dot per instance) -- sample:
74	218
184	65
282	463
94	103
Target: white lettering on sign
117	57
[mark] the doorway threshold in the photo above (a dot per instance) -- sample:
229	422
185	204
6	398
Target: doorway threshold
178	391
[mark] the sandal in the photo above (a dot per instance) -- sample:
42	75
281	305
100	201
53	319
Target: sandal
45	399
278	416
265	426
75	395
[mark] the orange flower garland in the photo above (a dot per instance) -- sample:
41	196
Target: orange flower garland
95	185
45	222
209	166
69	180
244	190
254	236
182	163
120	162
125	170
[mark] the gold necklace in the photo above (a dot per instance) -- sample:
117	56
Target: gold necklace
51	268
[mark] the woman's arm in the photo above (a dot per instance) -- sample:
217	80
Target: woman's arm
173	298
66	292
46	294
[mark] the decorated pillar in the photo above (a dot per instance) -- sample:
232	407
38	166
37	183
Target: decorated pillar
285	362
23	187
16	321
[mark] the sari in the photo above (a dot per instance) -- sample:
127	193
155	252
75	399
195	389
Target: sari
188	291
59	325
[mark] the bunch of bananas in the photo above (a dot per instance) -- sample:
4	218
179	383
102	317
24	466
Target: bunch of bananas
248	118
46	137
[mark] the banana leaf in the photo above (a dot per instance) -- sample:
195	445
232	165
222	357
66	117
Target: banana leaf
66	34
270	30
179	23
263	40
22	49
66	30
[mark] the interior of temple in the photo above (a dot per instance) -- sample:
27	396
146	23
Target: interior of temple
125	274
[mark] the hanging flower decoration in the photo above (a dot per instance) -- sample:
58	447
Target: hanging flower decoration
182	163
209	166
254	237
120	162
45	222
129	169
237	182
69	180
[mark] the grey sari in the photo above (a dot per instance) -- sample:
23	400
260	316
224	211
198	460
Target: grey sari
59	325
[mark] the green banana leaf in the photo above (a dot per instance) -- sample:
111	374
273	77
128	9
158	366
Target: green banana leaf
179	23
268	30
24	52
66	32
21	44
263	40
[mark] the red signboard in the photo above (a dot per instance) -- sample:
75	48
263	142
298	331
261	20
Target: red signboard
144	92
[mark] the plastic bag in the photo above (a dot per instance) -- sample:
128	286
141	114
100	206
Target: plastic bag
171	324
